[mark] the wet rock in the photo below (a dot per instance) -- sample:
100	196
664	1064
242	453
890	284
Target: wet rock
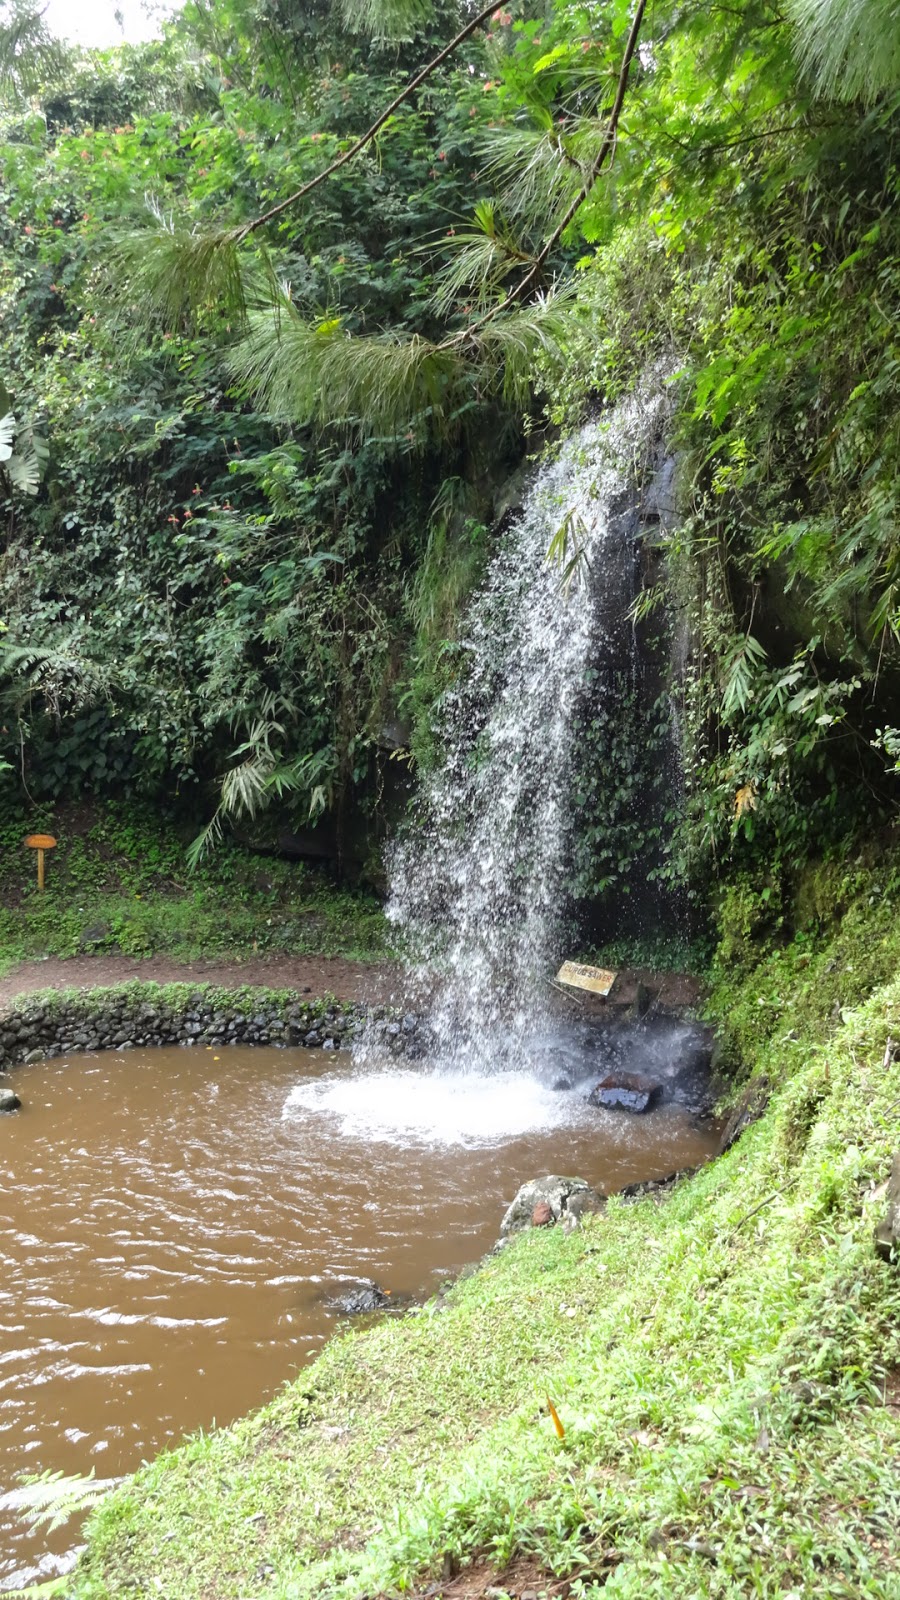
749	1109
887	1233
635	1191
584	1203
542	1215
361	1300
9	1100
561	1082
642	1001
625	1091
558	1194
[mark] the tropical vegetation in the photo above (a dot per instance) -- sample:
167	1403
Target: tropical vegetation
266	370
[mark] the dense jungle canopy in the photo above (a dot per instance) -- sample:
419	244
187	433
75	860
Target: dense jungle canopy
254	441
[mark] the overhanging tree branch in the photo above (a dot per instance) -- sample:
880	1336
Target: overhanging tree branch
606	149
367	137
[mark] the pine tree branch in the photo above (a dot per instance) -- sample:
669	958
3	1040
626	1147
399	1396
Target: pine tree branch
366	138
606	148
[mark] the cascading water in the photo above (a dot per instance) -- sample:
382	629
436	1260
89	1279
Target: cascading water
478	882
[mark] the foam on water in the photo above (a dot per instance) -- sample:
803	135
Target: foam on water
438	1108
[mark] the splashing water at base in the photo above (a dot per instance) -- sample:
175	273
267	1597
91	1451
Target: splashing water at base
414	1107
478	883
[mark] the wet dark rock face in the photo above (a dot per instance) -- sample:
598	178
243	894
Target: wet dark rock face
625	1091
630	1062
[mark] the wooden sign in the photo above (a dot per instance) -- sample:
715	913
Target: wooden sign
40	842
577	976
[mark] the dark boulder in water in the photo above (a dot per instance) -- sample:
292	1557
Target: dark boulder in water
625	1091
362	1299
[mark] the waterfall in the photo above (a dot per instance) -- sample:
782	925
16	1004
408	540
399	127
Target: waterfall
478	880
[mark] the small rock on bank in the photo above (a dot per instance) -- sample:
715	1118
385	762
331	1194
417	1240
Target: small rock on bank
887	1233
361	1300
549	1199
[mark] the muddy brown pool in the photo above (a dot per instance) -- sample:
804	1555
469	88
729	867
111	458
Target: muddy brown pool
175	1221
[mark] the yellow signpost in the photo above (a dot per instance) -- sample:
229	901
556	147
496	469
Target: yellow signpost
577	976
40	842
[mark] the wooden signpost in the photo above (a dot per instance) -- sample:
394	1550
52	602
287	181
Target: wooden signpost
40	842
577	976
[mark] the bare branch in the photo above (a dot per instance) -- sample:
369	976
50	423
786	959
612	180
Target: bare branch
377	125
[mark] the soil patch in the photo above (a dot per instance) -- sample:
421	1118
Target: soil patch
367	982
521	1580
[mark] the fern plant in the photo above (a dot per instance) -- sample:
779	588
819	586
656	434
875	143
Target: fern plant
23	452
851	48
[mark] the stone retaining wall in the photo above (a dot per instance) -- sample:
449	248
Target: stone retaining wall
68	1022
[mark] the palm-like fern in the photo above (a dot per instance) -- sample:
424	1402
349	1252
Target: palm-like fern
386	19
395	386
23	452
30	57
850	47
262	775
318	373
483	257
170	273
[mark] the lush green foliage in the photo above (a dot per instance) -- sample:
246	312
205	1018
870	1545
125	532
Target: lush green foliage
118	884
202	588
748	240
236	565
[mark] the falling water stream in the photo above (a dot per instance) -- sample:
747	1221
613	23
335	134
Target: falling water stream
177	1223
478	883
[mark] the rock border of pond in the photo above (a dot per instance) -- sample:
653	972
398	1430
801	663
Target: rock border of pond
57	1022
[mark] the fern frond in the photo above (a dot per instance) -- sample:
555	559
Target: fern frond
51	1499
165	275
23	454
386	19
535	171
67	679
484	256
319	373
512	345
851	48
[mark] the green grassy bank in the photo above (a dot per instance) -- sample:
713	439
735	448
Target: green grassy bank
119	883
725	1362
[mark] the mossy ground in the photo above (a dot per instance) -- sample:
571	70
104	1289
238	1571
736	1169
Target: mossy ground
726	1365
118	881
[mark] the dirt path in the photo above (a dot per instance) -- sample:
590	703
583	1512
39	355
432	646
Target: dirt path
316	975
371	982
